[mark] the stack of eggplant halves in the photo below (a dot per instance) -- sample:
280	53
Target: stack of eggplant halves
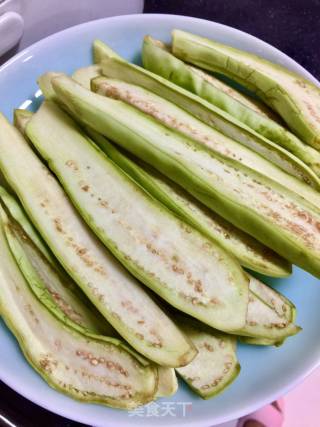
136	207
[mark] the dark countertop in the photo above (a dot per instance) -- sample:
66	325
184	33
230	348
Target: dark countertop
22	413
290	25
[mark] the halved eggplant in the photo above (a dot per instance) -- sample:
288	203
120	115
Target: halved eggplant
216	365
209	113
281	306
246	100
85	74
265	209
296	99
261	320
274	299
53	291
254	104
86	369
211	89
249	252
276	318
264	321
119	298
10	202
50	286
174	260
212	116
177	119
16	211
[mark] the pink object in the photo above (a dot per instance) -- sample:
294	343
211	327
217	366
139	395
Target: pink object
302	405
269	416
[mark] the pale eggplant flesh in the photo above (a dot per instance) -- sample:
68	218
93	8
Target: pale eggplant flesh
47	280
216	365
226	123
269	313
18	213
50	286
52	290
295	98
231	101
249	101
86	369
249	252
215	118
265	209
173	259
64	291
167	382
242	98
284	308
110	288
179	120
265	321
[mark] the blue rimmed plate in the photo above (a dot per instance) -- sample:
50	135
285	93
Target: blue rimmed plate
267	373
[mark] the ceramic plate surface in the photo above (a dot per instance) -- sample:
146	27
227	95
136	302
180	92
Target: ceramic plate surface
266	373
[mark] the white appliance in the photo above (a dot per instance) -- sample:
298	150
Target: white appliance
23	22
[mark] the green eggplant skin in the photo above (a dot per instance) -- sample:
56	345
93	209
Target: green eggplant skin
261	341
263	208
272	322
50	286
61	289
18	213
64	290
250	102
266	322
84	75
274	299
154	245
21	118
179	120
67	360
246	100
44	82
270	316
296	99
101	51
194	105
269	313
102	278
209	88
152	58
216	365
249	252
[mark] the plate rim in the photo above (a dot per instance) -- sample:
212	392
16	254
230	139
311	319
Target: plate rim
148	16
